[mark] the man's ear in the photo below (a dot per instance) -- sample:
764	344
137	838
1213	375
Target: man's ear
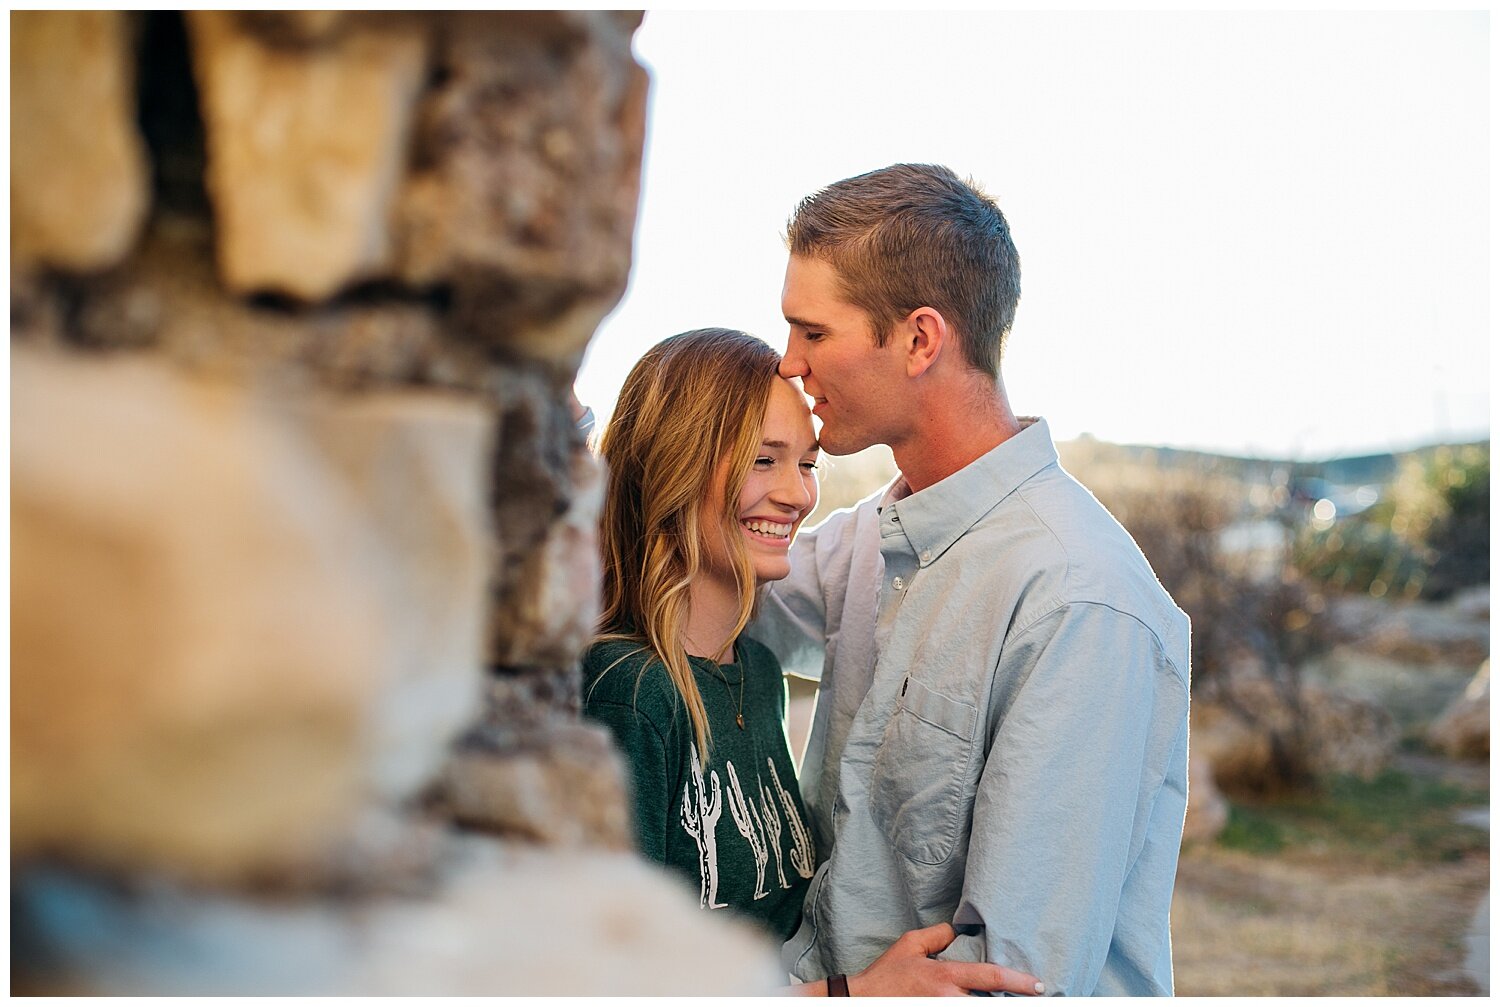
926	335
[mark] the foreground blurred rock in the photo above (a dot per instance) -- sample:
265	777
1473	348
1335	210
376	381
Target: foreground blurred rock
303	536
306	145
489	919
236	619
79	183
1463	731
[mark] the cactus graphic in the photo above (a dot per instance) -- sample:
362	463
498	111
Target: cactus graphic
700	819
803	856
772	821
747	819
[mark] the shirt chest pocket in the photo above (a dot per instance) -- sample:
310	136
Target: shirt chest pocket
920	789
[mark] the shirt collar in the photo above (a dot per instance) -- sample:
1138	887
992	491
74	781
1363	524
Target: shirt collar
939	515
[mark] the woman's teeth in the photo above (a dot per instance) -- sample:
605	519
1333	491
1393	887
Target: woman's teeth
768	528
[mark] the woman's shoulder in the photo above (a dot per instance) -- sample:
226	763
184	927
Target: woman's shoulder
627	673
758	655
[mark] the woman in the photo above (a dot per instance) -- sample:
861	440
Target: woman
712	460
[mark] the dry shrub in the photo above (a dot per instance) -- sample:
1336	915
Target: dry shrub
1253	616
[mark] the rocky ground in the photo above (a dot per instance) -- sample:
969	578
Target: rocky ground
1371	888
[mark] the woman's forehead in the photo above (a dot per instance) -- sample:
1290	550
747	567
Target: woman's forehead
788	419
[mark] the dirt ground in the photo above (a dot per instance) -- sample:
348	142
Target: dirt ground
1251	926
1318	923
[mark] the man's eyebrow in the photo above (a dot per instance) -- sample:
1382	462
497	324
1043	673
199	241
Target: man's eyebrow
803	324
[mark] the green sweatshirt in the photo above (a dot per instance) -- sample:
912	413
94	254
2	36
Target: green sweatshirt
736	827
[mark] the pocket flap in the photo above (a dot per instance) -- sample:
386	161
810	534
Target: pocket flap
951	715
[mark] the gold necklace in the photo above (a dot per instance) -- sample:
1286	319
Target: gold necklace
739	714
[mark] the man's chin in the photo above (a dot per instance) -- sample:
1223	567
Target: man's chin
833	442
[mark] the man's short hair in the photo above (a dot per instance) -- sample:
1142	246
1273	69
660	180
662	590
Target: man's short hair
912	235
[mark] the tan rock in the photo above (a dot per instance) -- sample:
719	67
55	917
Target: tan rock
79	179
236	620
1207	811
306	149
1463	731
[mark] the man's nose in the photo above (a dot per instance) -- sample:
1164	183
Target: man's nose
793	364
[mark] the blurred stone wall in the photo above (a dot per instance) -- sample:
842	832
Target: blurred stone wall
303	548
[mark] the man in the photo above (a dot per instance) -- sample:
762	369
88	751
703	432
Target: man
1001	731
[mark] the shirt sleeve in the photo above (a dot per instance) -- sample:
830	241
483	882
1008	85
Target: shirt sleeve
1094	715
649	754
792	618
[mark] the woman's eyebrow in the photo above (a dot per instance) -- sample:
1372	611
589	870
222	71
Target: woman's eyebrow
783	444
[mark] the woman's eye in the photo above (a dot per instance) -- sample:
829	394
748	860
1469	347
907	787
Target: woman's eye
810	466
763	461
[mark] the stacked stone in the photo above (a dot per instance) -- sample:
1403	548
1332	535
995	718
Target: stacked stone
303	547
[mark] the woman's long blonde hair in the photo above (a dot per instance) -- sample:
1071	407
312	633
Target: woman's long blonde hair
690	413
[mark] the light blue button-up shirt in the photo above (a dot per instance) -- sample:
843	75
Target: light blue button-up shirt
1001	730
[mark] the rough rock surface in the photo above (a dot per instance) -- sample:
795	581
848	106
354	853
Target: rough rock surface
546	608
559	783
526	175
1463	731
233	623
78	172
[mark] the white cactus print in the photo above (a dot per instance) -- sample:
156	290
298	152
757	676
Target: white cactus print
747	820
803	857
771	819
700	819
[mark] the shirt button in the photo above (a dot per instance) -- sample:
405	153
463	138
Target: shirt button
898	583
926	556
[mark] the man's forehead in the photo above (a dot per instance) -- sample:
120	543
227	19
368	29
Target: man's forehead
811	292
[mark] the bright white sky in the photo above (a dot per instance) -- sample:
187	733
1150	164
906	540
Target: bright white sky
1258	233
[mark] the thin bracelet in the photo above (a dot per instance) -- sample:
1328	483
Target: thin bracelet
838	985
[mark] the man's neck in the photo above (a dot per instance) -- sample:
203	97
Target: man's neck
954	432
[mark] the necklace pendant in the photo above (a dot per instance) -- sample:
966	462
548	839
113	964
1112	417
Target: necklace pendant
739	718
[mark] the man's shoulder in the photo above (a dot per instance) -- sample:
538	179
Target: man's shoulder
1080	554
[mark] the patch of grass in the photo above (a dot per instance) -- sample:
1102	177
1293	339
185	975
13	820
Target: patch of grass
1391	820
1252	831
